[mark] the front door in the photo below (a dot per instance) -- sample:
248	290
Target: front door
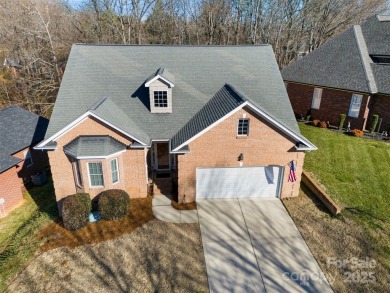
162	156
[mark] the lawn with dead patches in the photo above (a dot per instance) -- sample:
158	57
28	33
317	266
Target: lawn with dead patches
156	257
340	238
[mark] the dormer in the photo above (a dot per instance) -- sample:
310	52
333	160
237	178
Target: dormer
160	91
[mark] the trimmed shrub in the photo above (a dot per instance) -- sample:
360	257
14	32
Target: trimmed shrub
342	120
375	119
316	122
113	204
357	132
323	124
75	210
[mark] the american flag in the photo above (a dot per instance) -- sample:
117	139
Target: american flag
292	177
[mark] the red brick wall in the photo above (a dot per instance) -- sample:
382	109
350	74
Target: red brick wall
380	105
220	147
10	188
132	166
333	103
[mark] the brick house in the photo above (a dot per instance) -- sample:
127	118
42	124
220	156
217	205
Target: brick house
195	121
20	131
349	74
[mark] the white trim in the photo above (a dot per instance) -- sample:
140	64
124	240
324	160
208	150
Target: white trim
299	138
159	77
211	126
89	175
78	121
268	118
117	170
96	157
44	148
238	125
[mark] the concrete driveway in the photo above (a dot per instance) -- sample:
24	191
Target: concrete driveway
252	245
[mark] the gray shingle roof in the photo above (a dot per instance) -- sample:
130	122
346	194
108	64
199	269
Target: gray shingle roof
120	72
344	61
19	129
7	161
224	101
92	146
377	34
107	110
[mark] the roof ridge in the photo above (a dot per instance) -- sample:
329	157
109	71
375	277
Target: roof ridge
365	58
96	105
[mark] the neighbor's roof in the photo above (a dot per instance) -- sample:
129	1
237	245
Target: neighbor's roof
7	161
93	146
119	72
344	62
19	129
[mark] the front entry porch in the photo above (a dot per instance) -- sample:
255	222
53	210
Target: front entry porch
163	174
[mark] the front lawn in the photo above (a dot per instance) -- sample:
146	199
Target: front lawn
156	257
19	230
355	171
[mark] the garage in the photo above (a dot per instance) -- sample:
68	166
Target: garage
238	182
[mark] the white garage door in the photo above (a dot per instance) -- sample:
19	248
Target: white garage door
238	182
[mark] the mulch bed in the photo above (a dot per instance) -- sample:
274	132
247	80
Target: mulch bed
56	235
184	206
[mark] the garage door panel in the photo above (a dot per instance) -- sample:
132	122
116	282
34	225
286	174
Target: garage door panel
243	182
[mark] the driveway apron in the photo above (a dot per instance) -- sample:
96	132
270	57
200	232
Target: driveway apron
252	245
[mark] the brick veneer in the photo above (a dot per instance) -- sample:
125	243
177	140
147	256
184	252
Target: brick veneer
11	186
380	105
11	180
220	147
133	170
333	103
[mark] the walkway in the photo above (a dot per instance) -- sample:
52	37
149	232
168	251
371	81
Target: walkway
164	211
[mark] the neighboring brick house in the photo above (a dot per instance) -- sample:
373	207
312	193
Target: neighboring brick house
20	131
212	121
349	74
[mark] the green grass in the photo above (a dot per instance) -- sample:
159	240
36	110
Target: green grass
18	241
355	171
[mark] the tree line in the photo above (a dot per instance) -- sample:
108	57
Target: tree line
36	35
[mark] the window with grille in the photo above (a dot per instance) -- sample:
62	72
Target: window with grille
243	126
95	174
114	171
160	99
354	108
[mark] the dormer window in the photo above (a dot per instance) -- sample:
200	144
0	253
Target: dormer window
160	87
160	99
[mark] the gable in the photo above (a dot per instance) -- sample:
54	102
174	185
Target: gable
227	101
91	126
262	135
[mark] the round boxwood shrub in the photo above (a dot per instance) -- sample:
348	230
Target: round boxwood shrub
75	210
113	204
